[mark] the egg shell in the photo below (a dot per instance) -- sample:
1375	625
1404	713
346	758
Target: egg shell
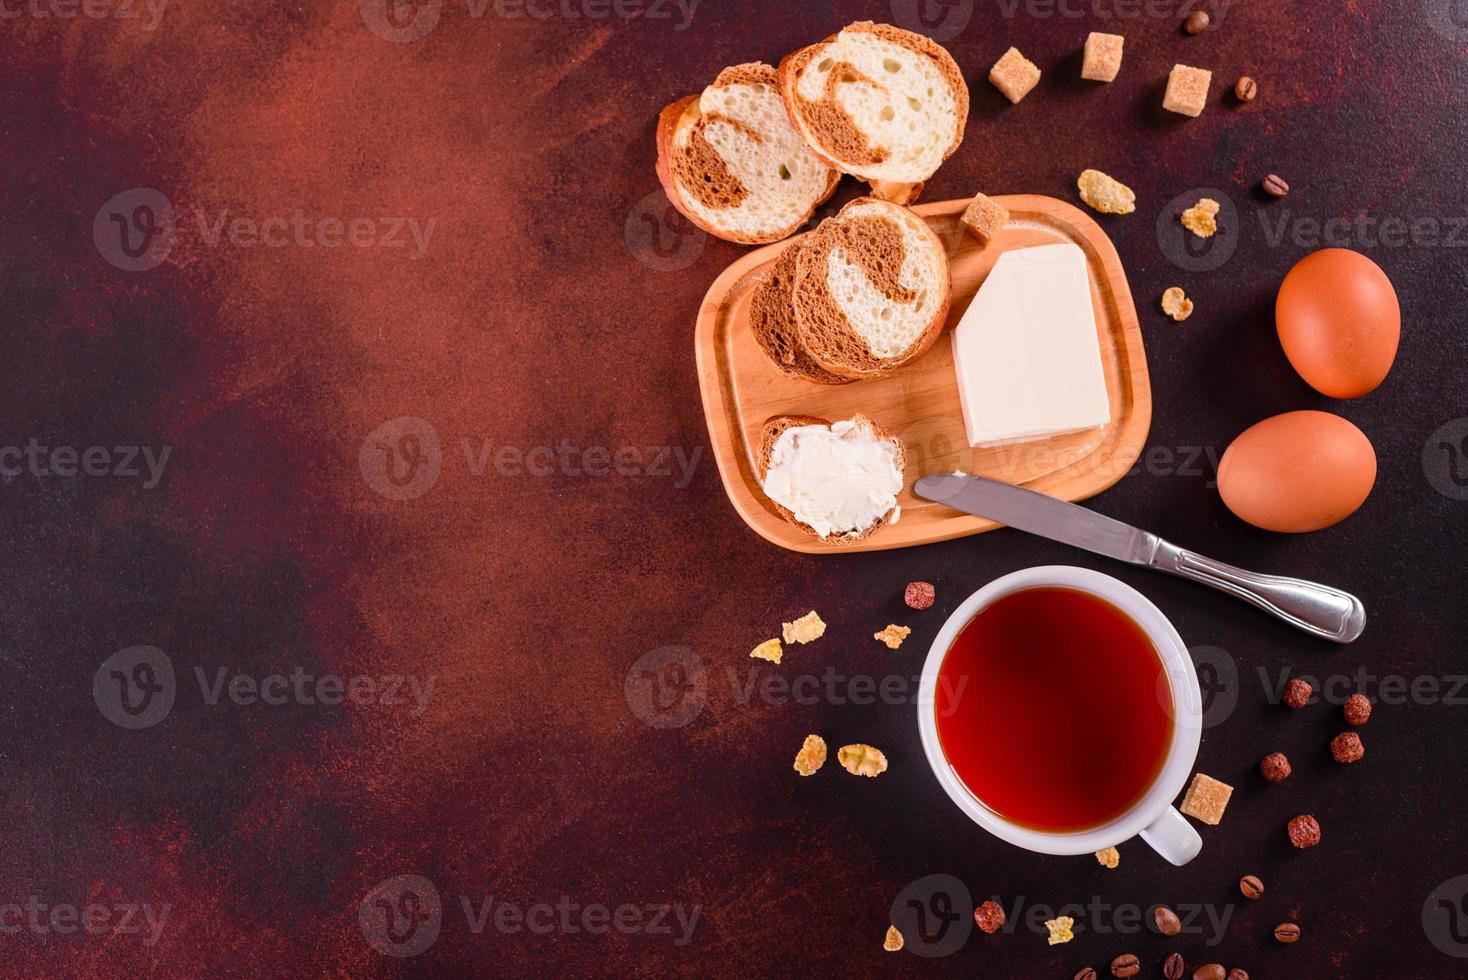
1339	322
1300	471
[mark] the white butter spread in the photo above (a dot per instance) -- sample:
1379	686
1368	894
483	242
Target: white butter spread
1027	352
837	480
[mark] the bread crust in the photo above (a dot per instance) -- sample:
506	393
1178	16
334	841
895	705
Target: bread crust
775	426
824	329
792	65
685	112
772	320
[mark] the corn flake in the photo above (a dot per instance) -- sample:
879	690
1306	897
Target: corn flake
1176	305
806	628
769	650
1060	930
1106	194
1199	219
1108	858
812	755
893	942
893	635
862	760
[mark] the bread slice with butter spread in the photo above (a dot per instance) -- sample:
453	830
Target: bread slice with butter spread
871	289
732	163
880	103
838	481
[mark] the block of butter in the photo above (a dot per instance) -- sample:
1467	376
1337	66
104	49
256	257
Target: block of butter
1026	351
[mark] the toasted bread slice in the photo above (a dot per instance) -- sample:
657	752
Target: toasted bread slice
855	501
772	319
884	104
871	289
732	163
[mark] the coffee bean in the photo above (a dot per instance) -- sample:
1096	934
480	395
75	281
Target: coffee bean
1251	886
1246	88
1210	971
1237	974
1287	932
1173	967
1085	973
1197	22
1275	186
1125	965
1167	921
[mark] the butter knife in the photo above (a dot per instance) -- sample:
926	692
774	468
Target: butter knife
1319	610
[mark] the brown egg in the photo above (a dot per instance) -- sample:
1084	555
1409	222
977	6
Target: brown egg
1339	322
1300	471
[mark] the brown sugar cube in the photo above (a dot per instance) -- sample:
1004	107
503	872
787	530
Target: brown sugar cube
1103	57
1014	75
1207	798
985	217
1187	90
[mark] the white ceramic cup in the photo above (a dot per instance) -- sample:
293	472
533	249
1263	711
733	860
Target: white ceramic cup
1153	816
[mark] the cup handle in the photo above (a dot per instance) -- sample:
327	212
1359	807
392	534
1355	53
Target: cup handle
1173	837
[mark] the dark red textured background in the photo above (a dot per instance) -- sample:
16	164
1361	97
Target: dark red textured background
539	313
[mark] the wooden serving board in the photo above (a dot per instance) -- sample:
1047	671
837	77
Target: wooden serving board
742	388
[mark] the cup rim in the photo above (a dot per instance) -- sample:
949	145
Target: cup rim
1182	682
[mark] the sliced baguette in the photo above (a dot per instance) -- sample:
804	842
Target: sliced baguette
775	427
732	163
871	289
884	104
772	318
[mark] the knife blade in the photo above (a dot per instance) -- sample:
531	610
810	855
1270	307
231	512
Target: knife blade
1036	513
1320	610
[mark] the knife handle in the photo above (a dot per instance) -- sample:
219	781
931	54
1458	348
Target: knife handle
1317	609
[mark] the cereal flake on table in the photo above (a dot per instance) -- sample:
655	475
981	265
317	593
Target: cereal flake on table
1108	858
862	760
1060	930
1207	798
812	755
803	630
769	650
893	635
893	942
1105	193
1176	305
1201	218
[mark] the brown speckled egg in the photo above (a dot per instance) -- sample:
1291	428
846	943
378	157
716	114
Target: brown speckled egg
1300	471
1339	321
